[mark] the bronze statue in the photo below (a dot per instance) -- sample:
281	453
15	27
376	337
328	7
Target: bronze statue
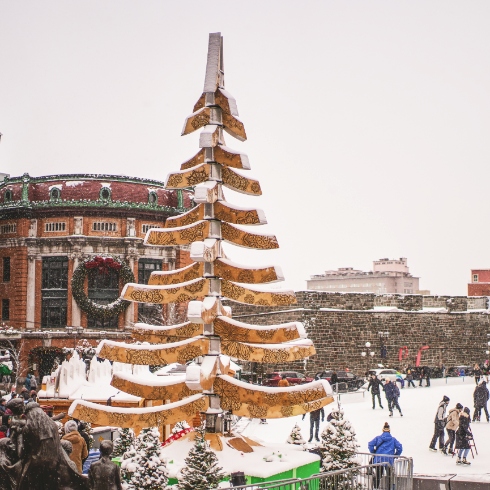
104	474
9	471
43	464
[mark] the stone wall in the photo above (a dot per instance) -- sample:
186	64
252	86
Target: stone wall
340	334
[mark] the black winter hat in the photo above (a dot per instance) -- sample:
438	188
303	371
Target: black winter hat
466	410
445	399
459	406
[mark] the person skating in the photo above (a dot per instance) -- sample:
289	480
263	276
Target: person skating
463	437
375	385
392	394
451	427
480	399
409	378
283	381
387	446
439	424
315	423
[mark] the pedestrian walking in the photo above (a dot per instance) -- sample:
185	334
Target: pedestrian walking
27	382
427	374
439	424
452	423
422	376
392	394
80	451
334	380
485	370
387	446
375	385
315	423
463	437
477	373
409	378
283	381
480	399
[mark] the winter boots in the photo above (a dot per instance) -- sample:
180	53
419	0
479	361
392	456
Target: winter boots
463	461
444	450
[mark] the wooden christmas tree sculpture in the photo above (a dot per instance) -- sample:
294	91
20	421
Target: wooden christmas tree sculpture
210	334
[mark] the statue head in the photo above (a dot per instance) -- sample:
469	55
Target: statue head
67	446
16	406
106	448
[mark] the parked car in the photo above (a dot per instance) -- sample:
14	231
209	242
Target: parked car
385	373
347	380
293	377
457	370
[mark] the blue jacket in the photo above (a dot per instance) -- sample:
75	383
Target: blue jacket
391	391
385	444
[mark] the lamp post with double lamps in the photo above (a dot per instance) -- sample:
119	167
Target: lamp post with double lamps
367	354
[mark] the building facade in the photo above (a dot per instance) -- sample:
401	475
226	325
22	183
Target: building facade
90	226
480	282
389	276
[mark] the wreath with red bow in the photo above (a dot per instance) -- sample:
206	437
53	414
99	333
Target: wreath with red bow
100	265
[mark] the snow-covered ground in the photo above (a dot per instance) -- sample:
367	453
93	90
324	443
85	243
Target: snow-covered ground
414	430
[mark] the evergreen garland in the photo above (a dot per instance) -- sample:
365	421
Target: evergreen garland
124	442
201	471
100	265
339	444
143	466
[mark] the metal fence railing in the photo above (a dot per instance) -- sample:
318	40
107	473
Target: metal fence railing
393	473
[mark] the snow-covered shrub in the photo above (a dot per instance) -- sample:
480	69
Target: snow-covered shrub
201	471
143	465
296	437
339	444
124	442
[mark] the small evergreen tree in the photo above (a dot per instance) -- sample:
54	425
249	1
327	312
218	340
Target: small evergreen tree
339	444
143	465
296	437
124	442
201	471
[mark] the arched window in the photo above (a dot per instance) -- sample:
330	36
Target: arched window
105	193
54	194
8	196
152	197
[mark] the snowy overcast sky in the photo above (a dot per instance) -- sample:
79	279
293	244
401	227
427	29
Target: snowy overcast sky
368	121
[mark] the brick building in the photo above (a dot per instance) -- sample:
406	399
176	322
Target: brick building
51	226
389	276
480	282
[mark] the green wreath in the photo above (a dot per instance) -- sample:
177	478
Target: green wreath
102	265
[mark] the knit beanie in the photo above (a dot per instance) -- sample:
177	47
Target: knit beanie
386	427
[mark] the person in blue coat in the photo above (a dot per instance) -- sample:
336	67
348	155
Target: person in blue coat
384	448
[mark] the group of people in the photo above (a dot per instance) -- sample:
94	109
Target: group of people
457	425
392	393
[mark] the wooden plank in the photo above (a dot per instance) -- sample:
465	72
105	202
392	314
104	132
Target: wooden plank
171	388
238	216
197	159
139	418
182	235
214	63
231	158
234	126
234	330
165	278
249	275
247	239
158	354
238	183
173	293
188	178
267	353
192	216
249	296
155	334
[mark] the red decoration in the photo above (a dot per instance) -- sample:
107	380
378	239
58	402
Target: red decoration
103	264
419	354
403	353
176	436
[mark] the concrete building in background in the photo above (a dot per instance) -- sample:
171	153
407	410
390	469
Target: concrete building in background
480	282
389	276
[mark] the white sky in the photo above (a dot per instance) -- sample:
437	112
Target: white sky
367	121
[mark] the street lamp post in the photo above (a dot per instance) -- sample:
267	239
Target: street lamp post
367	353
